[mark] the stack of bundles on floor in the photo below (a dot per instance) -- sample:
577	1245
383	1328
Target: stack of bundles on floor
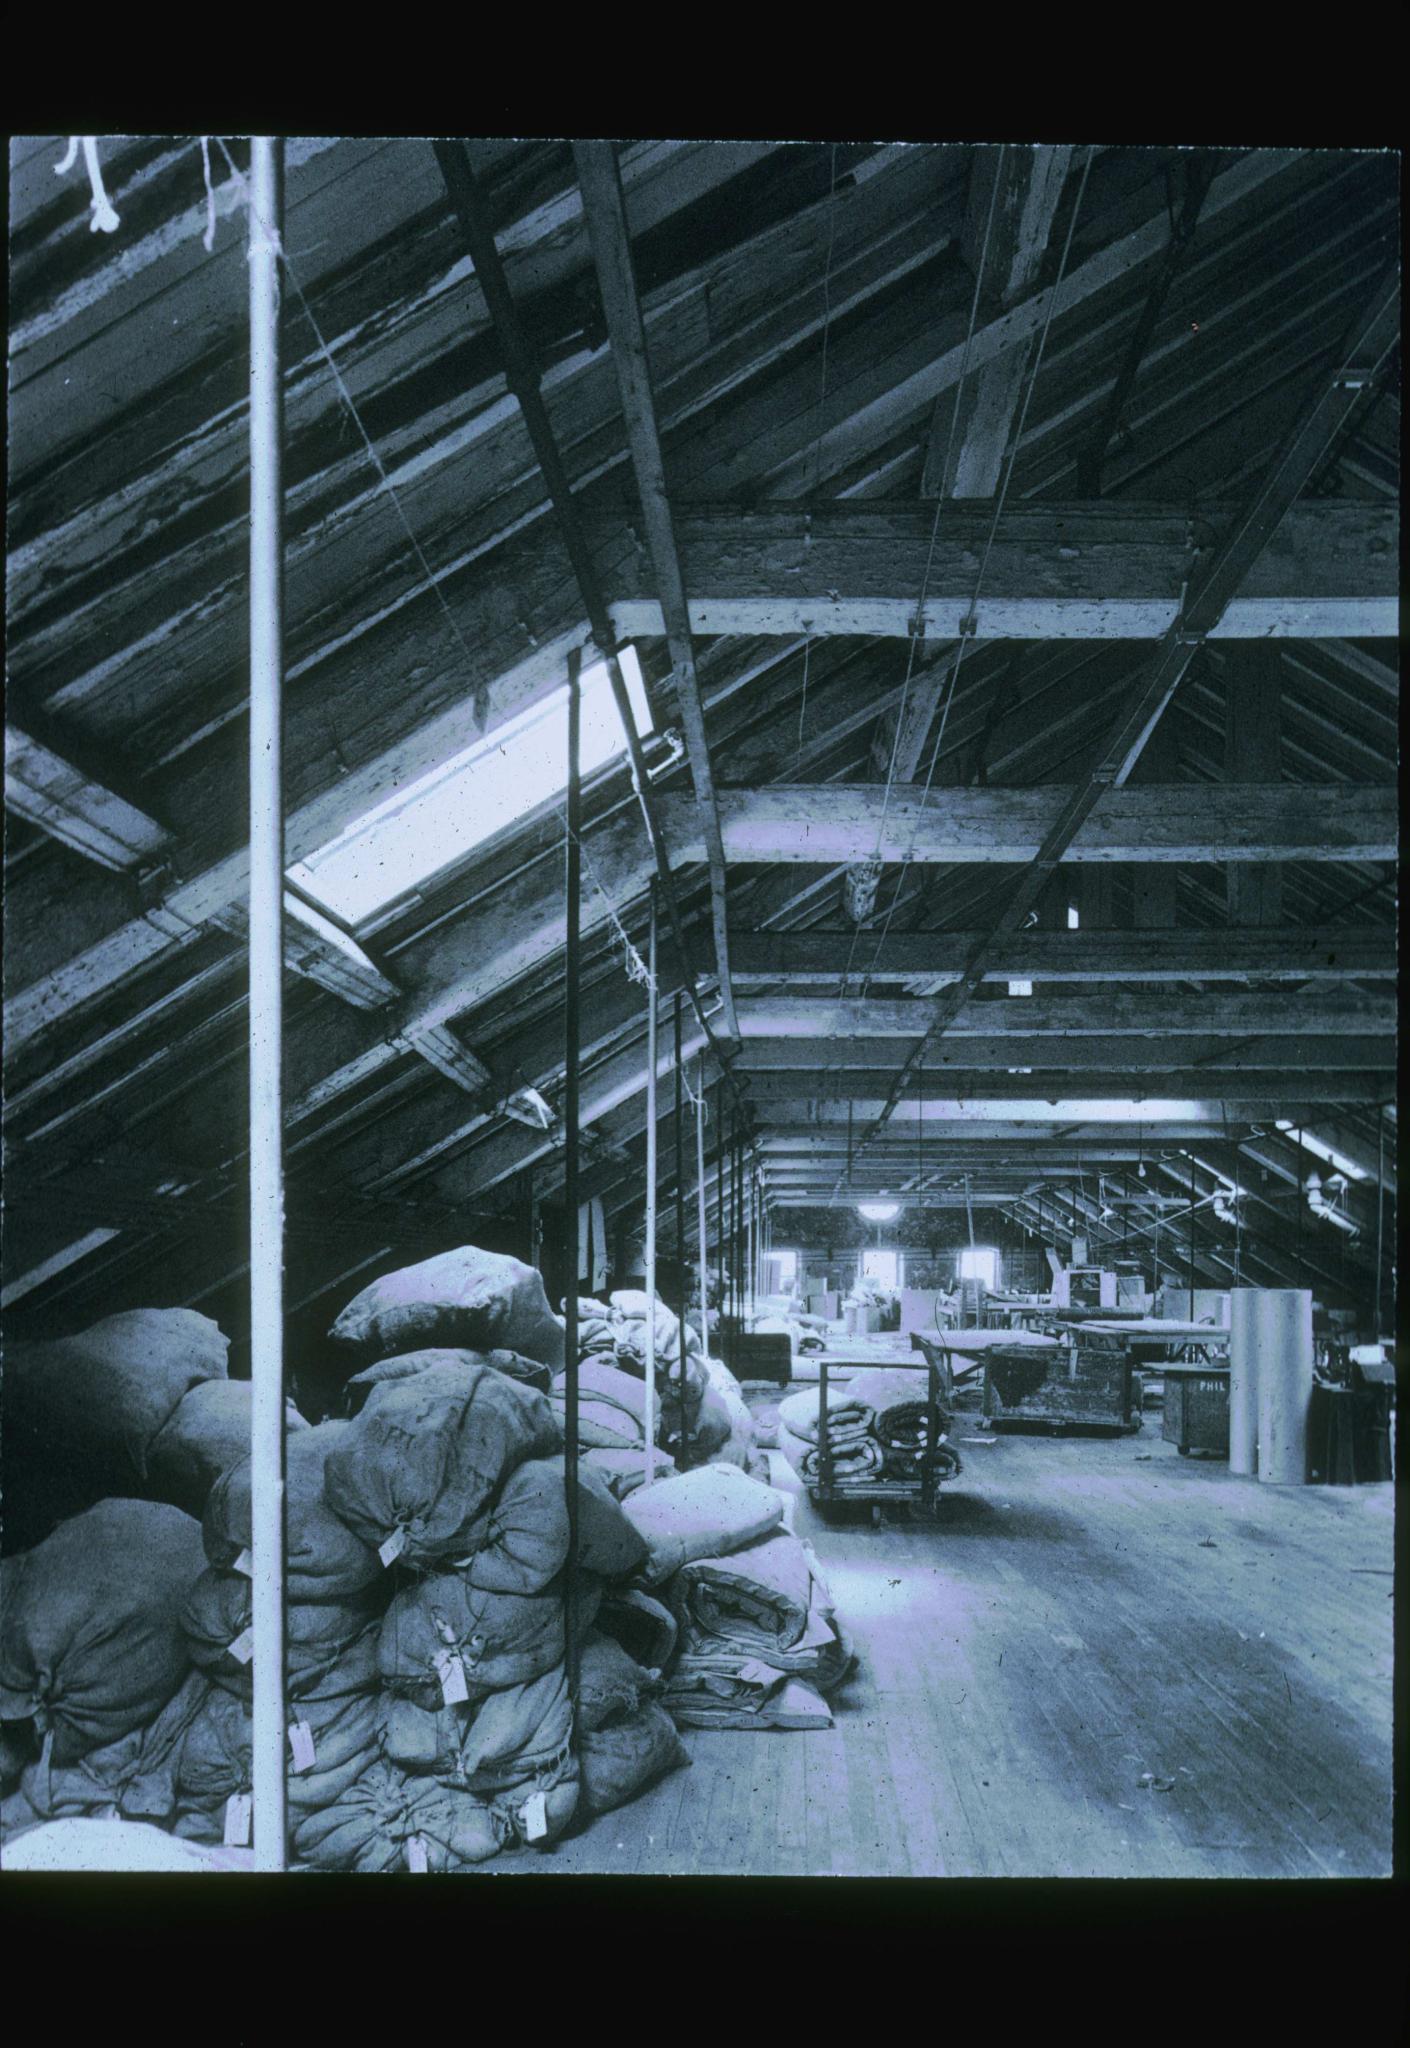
611	1422
324	1559
760	1641
705	1513
626	1739
82	1414
92	1660
877	1426
612	1344
409	1363
335	1740
207	1434
468	1299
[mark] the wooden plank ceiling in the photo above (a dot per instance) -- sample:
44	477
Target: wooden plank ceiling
808	399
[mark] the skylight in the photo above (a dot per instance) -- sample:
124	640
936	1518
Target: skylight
493	784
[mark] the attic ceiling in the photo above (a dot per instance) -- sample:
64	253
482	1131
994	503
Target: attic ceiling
1134	334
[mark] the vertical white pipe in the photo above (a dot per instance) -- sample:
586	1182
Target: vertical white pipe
650	1258
1285	1356
266	1005
1243	1381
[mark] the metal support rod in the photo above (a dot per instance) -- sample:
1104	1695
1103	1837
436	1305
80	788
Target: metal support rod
1380	1214
266	1011
700	1205
572	911
649	1258
681	1285
1194	1198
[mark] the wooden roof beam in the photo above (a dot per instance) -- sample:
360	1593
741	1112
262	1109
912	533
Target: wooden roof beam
1293	954
49	791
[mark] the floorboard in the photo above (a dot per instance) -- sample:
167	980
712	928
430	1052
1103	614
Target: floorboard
1102	1660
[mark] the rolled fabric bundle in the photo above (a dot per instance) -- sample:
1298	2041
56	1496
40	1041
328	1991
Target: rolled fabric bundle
324	1559
385	1821
134	1777
206	1434
645	1628
766	1603
853	1457
409	1363
465	1298
331	1645
704	1513
338	1742
443	1633
624	1469
427	1454
618	1759
848	1415
90	1624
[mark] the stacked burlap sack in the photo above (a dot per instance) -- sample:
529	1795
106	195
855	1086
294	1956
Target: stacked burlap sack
877	1427
705	1422
450	1473
757	1641
137	1407
97	1692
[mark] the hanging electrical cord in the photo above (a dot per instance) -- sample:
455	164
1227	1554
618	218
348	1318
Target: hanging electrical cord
969	623
822	394
634	965
104	221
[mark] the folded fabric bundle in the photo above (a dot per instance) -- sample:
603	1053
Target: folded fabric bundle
620	1758
90	1624
519	1736
134	1777
645	1628
705	1513
520	1543
853	1457
753	1699
624	1469
324	1559
466	1298
207	1433
386	1821
337	1740
331	1645
443	1632
82	1412
848	1416
409	1363
766	1603
428	1453
595	1328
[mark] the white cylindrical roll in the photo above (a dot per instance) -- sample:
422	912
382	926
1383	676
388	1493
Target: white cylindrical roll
1243	1380
1284	1351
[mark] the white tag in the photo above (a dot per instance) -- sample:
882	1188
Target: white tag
451	1673
416	1854
535	1817
243	1647
301	1743
244	1563
392	1549
756	1672
238	1808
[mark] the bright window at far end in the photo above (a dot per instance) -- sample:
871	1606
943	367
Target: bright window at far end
1073	920
980	1263
883	1267
492	784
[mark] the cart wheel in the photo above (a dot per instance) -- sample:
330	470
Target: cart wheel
878	1515
1183	1449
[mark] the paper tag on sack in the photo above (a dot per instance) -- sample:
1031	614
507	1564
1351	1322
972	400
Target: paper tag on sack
244	1563
756	1672
238	1808
416	1854
451	1673
392	1549
243	1647
535	1817
301	1744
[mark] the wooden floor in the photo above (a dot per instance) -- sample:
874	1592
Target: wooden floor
1105	1660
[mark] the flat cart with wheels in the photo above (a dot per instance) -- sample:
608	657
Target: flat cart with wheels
935	1461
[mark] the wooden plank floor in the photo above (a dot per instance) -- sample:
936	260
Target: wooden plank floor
1105	1660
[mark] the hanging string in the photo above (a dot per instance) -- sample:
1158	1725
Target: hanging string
104	220
635	967
208	238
